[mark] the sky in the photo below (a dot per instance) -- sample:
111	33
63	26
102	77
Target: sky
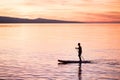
75	10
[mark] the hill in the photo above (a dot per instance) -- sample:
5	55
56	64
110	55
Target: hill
4	19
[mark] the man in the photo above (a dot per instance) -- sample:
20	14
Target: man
79	51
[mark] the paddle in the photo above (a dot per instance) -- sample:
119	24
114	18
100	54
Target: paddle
83	58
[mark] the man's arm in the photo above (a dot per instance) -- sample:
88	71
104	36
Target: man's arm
76	48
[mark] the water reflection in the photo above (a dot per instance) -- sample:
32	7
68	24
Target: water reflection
80	71
79	75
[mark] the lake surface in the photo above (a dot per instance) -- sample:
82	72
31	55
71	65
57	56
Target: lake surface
31	51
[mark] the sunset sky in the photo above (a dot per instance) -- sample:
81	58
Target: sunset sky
78	10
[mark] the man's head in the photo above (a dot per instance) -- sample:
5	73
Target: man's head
78	44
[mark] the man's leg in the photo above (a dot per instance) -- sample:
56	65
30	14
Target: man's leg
80	59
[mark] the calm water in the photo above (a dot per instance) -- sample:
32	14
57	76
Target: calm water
31	51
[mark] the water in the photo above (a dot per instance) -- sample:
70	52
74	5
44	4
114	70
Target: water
31	51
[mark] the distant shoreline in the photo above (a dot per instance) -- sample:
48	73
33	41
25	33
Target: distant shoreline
4	19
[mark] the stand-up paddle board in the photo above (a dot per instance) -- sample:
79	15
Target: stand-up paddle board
73	61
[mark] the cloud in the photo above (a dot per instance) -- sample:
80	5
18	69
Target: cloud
104	16
75	5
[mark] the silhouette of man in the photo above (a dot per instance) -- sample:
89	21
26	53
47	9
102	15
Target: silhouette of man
79	51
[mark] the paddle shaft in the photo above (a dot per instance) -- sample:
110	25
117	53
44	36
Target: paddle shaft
83	58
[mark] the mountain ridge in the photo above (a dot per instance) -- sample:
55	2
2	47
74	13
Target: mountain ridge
5	19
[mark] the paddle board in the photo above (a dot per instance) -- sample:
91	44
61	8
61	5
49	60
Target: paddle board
73	61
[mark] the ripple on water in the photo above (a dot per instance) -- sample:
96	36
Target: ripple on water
107	70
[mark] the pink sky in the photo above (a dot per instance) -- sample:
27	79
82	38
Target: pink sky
78	10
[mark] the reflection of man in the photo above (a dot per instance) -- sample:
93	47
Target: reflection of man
79	72
79	51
